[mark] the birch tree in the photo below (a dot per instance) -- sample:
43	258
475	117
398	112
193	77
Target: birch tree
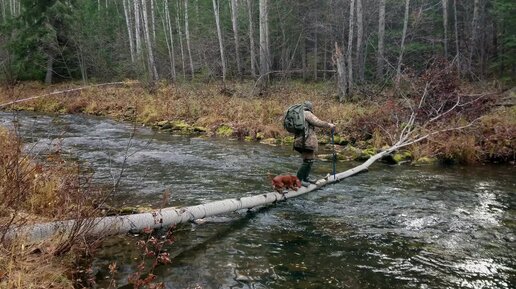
219	34
264	43
150	54
137	28
457	46
234	21
381	36
153	20
350	43
251	37
474	32
445	27
178	25
360	35
403	36
187	33
128	22
340	64
169	38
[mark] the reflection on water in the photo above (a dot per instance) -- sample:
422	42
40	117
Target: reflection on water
392	227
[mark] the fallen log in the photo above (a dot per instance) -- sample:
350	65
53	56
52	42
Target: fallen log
166	217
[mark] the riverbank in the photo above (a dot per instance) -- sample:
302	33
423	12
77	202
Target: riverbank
363	127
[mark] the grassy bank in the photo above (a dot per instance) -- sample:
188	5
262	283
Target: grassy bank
363	126
38	190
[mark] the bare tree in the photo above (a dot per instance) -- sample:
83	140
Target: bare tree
360	35
180	37
219	34
251	37
445	27
169	38
128	22
187	33
342	82
264	43
403	36
474	32
150	59
234	20
137	29
153	19
381	37
350	43
457	46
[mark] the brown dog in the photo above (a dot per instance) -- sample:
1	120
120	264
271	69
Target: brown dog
285	182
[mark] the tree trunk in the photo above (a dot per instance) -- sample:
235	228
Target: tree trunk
169	38
457	44
178	16
219	34
264	44
150	59
381	36
4	11
234	20
187	33
303	56
342	82
445	27
315	55
128	22
360	49
403	36
350	43
153	20
50	70
137	29
474	31
251	38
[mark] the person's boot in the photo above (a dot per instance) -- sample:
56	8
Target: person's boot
304	172
308	178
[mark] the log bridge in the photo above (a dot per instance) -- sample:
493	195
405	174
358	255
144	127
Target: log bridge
166	217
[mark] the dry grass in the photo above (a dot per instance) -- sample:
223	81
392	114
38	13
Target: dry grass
210	106
30	192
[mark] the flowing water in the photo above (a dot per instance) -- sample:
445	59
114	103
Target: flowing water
392	227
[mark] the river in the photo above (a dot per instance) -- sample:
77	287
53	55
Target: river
391	227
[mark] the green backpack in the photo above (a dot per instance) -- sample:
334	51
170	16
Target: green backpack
294	119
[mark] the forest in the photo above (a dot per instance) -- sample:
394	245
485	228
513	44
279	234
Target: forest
139	140
100	41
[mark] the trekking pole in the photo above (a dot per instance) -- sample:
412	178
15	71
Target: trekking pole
334	154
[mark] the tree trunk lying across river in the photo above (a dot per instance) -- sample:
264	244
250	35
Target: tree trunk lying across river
162	218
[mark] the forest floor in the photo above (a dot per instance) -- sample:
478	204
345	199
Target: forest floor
40	191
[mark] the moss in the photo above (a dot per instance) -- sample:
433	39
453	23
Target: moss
181	125
403	156
362	155
225	131
425	161
324	139
259	135
269	141
288	140
199	129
